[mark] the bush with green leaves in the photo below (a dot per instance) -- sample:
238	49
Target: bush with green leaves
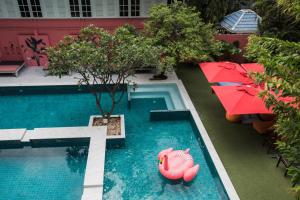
282	80
103	58
291	6
179	30
277	21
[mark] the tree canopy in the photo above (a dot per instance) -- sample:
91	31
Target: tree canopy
179	30
212	11
277	21
103	58
291	6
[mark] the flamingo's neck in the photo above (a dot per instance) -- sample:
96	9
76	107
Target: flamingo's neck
166	164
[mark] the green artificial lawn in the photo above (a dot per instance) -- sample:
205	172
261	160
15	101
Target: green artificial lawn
252	171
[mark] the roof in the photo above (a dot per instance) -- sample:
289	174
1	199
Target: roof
242	21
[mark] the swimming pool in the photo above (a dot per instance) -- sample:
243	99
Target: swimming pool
131	170
42	173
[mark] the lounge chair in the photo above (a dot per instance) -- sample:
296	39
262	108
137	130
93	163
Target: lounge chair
11	67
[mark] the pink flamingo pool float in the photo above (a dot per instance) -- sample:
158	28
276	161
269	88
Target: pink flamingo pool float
177	164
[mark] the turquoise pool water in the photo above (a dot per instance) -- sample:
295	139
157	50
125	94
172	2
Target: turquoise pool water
130	171
41	173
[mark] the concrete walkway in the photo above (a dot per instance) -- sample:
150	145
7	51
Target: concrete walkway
36	76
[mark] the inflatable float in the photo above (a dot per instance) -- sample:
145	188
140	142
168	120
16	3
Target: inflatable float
177	164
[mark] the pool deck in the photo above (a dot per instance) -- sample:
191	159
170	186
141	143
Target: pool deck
37	77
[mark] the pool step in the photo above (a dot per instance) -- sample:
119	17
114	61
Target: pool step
169	92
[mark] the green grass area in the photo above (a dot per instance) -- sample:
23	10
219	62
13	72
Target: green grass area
252	171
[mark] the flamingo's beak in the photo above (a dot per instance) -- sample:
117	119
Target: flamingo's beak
161	161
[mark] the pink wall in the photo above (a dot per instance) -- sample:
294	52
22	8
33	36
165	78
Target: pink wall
242	40
10	29
56	29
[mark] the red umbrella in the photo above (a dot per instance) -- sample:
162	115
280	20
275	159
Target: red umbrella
241	99
253	67
224	72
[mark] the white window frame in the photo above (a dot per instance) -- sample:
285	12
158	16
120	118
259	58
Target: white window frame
129	10
30	10
80	5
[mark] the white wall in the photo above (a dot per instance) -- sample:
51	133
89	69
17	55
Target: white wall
61	8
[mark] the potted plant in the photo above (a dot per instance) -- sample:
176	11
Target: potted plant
104	61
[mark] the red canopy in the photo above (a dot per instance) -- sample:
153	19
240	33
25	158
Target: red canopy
224	72
253	67
241	99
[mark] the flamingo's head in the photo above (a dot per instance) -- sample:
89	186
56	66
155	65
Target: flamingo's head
164	152
163	158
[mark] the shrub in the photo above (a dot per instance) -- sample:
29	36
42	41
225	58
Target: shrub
282	79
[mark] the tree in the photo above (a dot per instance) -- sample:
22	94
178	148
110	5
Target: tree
282	80
104	61
212	11
179	30
276	22
291	6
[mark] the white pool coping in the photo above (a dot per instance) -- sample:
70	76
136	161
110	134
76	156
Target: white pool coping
27	79
12	134
94	172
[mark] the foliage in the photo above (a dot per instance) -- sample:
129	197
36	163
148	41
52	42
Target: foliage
276	22
37	47
212	11
282	81
291	6
103	58
179	30
229	48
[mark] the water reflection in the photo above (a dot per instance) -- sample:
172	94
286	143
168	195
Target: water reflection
76	158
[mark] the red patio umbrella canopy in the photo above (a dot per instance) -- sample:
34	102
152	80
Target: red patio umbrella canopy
224	72
241	100
253	67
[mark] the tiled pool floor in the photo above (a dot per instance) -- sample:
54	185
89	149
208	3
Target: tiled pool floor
42	173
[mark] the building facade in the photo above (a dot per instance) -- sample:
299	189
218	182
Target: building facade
50	20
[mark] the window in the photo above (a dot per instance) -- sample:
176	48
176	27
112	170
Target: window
123	8
36	8
24	8
74	8
86	8
133	9
80	8
30	8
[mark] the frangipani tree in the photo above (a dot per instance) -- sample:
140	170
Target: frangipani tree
179	30
104	61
